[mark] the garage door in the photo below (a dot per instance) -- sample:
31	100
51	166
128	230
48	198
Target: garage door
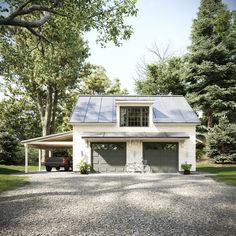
108	157
161	157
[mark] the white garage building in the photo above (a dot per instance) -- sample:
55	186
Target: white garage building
110	132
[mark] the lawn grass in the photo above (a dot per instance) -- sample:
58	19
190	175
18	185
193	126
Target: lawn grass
12	169
223	173
8	181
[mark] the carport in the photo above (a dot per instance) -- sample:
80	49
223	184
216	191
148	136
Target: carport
48	142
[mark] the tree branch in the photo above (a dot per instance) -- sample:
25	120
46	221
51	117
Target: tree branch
39	35
25	24
12	19
18	10
116	6
37	8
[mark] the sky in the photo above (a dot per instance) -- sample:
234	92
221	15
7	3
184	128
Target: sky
164	22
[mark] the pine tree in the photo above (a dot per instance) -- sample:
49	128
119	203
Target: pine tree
221	141
211	76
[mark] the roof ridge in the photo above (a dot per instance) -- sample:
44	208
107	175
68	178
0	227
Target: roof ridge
130	96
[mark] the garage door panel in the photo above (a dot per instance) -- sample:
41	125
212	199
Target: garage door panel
108	157
161	157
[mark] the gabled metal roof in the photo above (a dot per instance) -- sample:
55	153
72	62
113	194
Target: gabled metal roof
102	109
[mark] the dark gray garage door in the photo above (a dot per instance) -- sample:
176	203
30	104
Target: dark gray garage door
161	157
108	157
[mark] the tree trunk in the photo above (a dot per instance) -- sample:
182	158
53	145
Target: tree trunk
46	119
45	115
54	110
210	119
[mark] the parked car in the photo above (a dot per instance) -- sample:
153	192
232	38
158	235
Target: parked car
57	162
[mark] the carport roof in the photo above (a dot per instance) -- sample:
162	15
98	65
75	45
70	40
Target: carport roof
51	141
135	135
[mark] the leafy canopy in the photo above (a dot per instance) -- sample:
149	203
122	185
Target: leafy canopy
163	77
43	72
96	82
19	117
105	16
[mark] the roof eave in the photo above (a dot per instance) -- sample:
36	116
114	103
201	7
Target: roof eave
176	122
47	137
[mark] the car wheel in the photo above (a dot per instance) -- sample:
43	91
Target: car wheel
58	168
48	168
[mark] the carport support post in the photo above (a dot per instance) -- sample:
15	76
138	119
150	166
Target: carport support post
26	158
40	158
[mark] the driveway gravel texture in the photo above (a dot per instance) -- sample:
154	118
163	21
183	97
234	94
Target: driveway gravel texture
66	203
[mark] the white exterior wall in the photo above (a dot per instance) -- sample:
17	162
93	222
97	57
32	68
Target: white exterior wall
134	148
134	151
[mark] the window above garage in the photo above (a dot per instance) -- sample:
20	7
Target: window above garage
134	116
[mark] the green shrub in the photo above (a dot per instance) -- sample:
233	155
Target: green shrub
200	151
83	167
8	148
186	166
225	158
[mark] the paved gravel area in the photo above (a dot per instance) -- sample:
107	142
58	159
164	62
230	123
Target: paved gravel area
60	203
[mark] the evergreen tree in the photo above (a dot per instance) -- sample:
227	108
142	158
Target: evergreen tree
221	141
211	74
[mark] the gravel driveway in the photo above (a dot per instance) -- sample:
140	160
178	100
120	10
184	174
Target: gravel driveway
60	203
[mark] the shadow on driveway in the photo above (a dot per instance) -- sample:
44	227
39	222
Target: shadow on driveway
119	204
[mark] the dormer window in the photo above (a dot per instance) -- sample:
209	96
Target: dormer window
134	116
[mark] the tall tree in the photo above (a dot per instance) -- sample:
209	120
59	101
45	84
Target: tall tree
211	76
163	77
44	72
48	72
